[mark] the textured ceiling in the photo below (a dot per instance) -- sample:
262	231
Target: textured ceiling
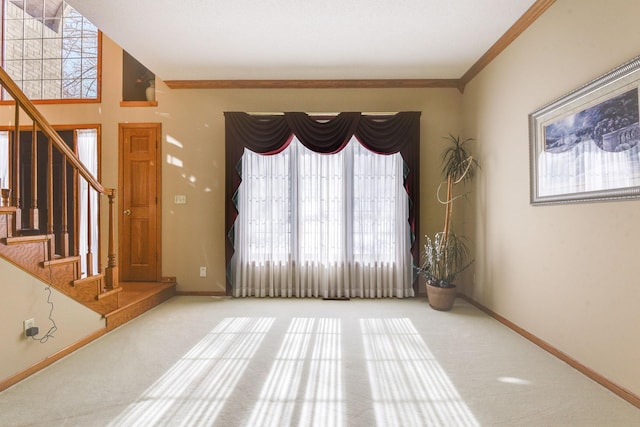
294	39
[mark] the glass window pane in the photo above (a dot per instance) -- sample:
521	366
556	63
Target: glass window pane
52	89
71	68
63	50
35	11
71	13
14	68
52	27
52	69
89	30
89	88
72	27
90	46
32	28
89	68
13	49
19	4
71	47
52	47
32	69
33	89
71	89
13	29
33	49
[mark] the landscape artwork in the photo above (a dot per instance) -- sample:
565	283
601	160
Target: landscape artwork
612	125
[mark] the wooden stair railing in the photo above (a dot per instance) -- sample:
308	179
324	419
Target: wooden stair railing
15	199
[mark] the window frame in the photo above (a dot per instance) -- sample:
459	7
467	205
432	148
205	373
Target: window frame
97	99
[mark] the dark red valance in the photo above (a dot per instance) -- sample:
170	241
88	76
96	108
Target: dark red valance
270	134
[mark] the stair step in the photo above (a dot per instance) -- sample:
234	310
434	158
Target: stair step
97	281
7	209
91	280
17	240
59	260
109	293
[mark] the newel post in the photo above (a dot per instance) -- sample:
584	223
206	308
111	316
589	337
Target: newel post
111	272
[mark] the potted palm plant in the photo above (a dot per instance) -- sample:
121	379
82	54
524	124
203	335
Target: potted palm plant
447	255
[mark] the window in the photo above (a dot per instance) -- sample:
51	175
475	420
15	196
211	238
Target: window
323	225
87	149
322	206
4	159
50	50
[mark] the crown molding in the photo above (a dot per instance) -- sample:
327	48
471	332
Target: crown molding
313	84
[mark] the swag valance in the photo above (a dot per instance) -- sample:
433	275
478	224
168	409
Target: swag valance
270	134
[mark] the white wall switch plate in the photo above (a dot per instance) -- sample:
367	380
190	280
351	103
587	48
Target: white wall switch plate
180	199
28	324
203	271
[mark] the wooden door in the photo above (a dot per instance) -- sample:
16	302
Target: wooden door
139	195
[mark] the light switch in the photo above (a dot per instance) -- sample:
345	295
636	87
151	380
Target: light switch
180	199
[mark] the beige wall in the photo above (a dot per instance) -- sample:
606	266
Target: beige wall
565	273
25	297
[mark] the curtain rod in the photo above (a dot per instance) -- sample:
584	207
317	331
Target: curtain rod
280	113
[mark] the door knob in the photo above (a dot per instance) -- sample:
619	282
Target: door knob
127	212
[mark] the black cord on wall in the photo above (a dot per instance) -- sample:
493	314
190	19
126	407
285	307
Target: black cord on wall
48	289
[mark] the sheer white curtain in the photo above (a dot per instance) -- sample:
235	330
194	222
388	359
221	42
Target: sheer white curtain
87	145
316	225
4	159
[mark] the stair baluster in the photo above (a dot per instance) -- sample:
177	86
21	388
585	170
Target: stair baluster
50	230
89	237
111	272
34	222
64	237
14	176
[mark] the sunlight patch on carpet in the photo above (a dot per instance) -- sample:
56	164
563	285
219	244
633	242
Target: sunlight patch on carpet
408	385
310	353
194	390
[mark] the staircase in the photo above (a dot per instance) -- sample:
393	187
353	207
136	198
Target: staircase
39	224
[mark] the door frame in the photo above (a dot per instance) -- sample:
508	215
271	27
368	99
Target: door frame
121	128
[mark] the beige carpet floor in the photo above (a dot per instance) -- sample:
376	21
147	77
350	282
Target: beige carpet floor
206	361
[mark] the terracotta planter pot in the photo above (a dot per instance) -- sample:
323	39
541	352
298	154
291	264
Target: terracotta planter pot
441	298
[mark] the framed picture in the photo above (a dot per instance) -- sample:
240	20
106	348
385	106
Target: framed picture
584	146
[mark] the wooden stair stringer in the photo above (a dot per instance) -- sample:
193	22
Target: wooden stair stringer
92	293
30	255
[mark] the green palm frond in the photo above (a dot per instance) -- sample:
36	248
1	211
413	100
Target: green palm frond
457	162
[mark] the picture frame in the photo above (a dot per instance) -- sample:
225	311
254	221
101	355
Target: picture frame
585	146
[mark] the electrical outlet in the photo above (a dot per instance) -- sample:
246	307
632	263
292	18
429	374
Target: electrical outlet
29	323
203	271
